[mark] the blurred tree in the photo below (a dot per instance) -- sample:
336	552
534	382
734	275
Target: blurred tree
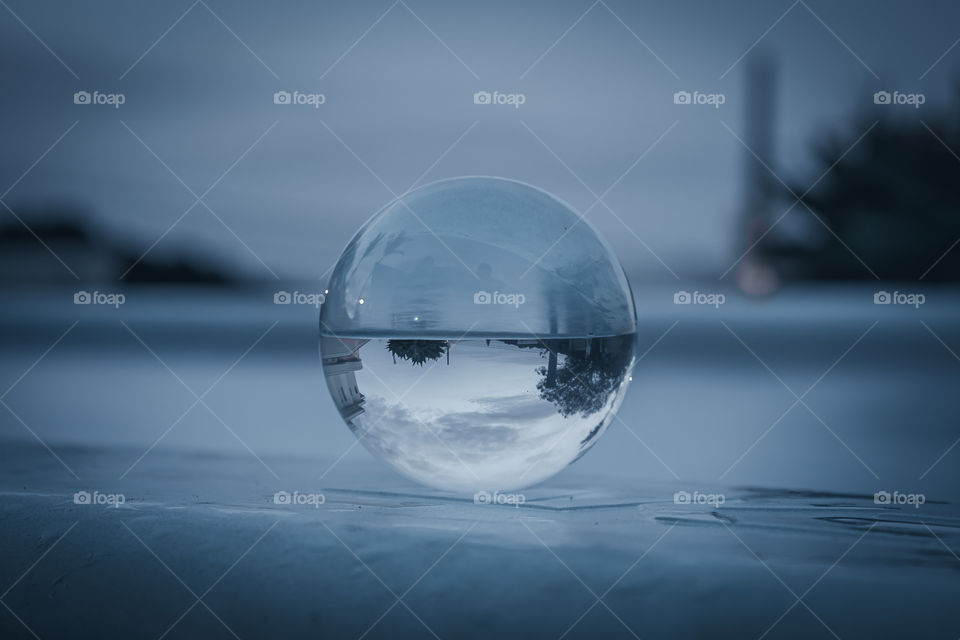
418	351
894	200
94	254
586	379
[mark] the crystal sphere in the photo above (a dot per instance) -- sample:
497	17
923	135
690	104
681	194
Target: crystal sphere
477	335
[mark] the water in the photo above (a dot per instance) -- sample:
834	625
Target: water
478	414
477	335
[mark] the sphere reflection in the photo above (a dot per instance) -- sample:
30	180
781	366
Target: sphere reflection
477	335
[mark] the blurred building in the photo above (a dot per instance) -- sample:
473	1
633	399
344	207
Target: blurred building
341	361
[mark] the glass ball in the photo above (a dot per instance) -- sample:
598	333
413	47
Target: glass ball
477	335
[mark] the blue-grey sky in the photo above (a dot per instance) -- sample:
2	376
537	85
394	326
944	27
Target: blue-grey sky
398	80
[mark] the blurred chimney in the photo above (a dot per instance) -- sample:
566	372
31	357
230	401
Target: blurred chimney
760	187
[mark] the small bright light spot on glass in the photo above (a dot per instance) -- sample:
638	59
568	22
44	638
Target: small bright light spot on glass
497	338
